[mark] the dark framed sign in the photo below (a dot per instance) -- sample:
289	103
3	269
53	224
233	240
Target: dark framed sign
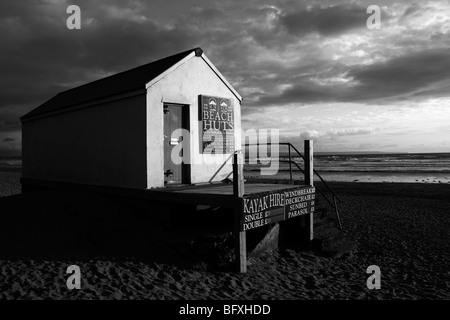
266	208
217	125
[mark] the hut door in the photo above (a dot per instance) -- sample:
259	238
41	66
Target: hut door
175	117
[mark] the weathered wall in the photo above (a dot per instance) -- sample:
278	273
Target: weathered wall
183	86
103	145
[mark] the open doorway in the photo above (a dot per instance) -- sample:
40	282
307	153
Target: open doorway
176	116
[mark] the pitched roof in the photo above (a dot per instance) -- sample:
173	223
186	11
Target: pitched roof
115	84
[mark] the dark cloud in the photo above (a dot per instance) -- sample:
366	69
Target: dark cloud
404	75
9	147
326	20
420	75
43	57
415	7
10	125
300	93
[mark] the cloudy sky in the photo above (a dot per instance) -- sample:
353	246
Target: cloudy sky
309	68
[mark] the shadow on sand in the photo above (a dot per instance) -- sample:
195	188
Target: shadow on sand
81	225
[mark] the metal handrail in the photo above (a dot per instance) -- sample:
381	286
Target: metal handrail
335	196
317	173
298	152
318	189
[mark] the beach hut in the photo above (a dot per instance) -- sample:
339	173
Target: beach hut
169	122
173	122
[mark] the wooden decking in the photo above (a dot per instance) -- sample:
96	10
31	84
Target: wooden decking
213	194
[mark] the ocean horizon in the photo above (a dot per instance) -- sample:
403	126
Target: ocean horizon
344	167
361	167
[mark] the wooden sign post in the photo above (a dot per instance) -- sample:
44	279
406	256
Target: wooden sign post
309	180
238	194
263	208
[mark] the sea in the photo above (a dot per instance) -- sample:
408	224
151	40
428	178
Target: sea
10	163
401	167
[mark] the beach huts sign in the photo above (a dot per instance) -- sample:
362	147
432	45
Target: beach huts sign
263	209
217	120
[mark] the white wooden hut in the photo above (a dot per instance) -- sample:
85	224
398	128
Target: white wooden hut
121	131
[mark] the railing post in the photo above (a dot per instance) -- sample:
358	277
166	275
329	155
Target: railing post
238	194
309	169
309	180
290	163
337	213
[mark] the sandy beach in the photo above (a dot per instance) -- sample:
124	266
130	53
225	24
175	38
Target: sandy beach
126	251
384	177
